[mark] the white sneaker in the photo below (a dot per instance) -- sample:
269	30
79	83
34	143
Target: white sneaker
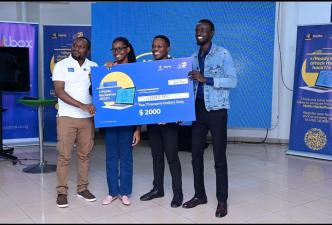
125	200
108	200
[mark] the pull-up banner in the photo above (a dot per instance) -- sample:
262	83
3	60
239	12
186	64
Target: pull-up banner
310	133
58	40
19	121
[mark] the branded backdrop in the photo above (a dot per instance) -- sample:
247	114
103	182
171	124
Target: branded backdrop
58	40
20	121
246	29
310	133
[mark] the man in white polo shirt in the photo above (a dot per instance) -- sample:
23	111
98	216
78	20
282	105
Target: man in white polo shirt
71	79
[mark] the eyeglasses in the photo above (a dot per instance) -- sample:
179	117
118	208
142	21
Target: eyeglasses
119	49
158	46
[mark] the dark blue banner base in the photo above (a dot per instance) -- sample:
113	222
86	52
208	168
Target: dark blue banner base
308	154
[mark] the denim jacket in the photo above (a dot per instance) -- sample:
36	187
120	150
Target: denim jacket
218	65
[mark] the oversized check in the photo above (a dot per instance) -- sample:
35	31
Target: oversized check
143	93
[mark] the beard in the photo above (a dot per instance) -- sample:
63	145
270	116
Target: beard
76	56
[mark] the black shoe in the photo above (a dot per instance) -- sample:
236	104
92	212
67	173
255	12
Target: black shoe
86	194
221	209
154	193
177	201
194	202
62	201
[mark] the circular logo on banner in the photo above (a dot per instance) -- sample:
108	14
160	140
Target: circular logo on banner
315	139
111	83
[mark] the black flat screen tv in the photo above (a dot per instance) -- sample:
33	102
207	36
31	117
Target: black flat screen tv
14	69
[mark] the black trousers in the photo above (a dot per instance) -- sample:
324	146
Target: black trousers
216	122
164	139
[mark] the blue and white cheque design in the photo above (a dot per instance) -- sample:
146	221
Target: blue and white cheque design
143	93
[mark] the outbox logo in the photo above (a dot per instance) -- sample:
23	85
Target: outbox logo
11	42
182	65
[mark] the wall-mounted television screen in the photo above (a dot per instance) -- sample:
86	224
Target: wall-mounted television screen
14	69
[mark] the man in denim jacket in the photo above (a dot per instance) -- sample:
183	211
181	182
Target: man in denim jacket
213	75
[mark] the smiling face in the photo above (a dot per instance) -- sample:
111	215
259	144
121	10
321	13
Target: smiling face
203	33
160	49
120	52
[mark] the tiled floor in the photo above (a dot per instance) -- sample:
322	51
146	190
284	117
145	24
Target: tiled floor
265	186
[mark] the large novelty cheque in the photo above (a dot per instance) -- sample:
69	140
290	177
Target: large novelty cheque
143	93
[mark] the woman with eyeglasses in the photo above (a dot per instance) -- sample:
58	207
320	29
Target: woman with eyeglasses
119	141
163	140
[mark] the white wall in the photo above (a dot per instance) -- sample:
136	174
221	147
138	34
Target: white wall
292	14
314	13
8	11
65	13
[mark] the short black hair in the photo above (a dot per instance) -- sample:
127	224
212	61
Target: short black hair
208	22
165	38
87	40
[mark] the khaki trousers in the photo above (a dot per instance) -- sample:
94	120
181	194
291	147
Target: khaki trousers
71	131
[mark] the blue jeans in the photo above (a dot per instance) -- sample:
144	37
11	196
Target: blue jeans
119	159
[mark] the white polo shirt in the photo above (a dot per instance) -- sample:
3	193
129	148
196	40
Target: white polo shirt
77	83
